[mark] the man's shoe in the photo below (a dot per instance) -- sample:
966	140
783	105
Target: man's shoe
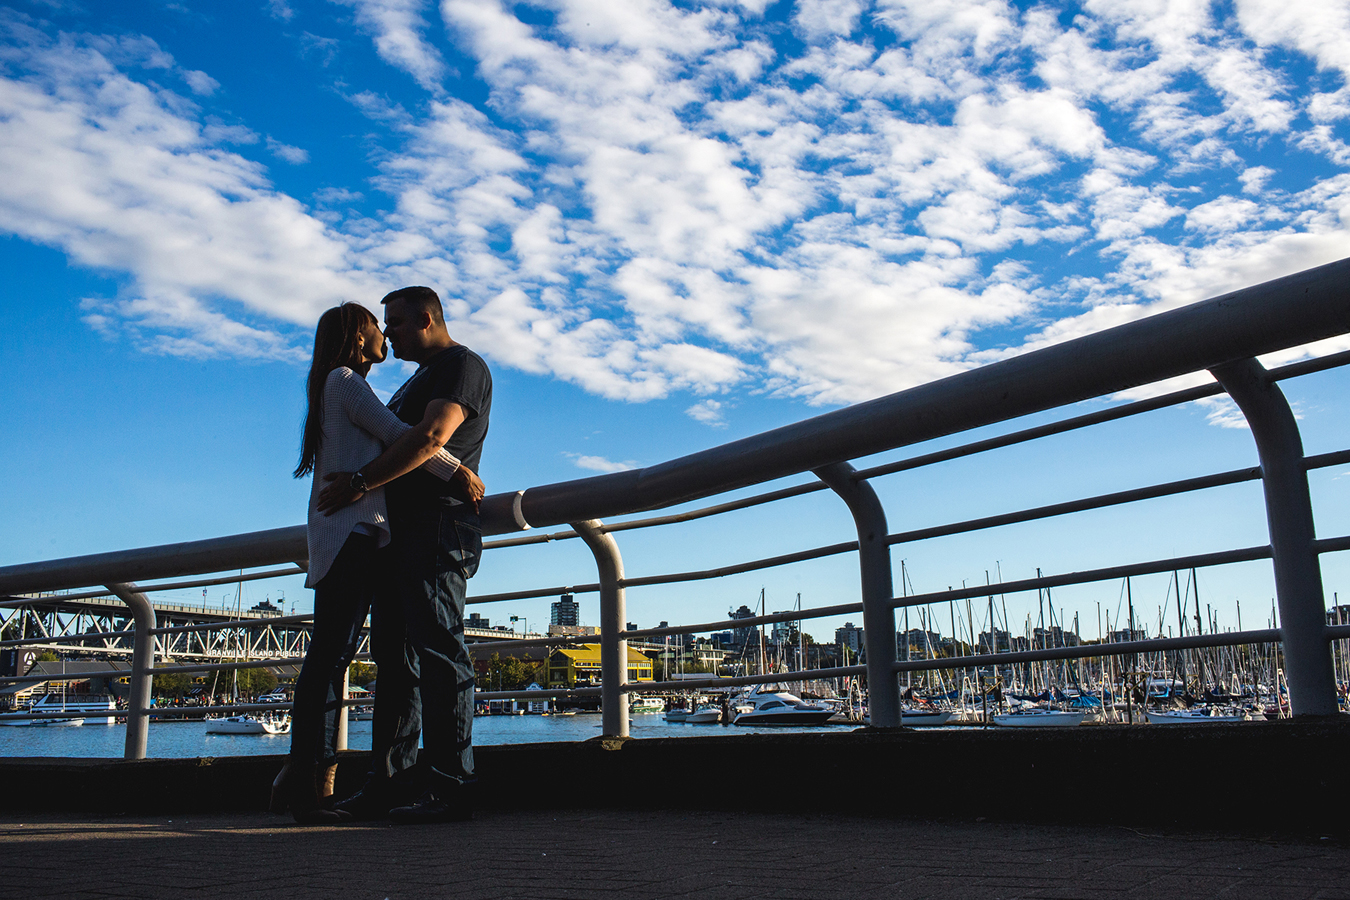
367	805
432	808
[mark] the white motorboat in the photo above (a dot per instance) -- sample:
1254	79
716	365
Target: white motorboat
85	708
778	708
677	715
647	705
924	718
704	715
1035	717
1197	715
249	725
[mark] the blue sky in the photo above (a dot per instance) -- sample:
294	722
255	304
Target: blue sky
666	225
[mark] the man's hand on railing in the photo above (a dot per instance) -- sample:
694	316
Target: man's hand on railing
337	493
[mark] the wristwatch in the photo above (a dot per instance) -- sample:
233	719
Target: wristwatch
359	482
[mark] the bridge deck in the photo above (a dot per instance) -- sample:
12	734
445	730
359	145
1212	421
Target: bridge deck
633	853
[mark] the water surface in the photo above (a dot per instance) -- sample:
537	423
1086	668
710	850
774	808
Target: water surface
189	739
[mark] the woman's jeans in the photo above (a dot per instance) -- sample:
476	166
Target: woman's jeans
341	601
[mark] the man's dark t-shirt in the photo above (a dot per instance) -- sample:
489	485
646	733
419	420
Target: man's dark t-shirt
459	375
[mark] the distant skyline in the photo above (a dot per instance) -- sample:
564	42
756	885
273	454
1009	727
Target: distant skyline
666	226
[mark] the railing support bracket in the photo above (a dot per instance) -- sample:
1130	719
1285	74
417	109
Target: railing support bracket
874	565
613	616
142	661
1298	572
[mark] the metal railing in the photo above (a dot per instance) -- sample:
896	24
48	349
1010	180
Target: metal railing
1223	336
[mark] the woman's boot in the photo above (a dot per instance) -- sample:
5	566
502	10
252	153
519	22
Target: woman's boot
280	802
327	777
297	789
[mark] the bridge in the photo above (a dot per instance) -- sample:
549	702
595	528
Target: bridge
98	625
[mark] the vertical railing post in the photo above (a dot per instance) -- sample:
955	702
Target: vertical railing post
343	709
1298	572
874	565
142	661
613	612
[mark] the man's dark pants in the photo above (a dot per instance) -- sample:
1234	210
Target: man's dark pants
425	681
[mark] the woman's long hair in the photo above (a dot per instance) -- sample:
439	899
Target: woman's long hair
337	342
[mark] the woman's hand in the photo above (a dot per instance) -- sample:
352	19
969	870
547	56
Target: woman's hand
337	493
467	485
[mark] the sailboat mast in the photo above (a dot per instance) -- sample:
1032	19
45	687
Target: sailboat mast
762	662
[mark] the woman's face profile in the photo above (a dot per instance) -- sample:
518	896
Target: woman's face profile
375	350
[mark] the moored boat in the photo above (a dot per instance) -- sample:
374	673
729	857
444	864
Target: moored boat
1036	717
1197	715
778	708
97	709
706	714
249	725
924	718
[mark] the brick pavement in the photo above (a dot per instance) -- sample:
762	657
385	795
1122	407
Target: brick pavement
595	854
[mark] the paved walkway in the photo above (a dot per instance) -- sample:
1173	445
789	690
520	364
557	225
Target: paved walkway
541	855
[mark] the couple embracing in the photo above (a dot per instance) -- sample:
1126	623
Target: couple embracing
393	530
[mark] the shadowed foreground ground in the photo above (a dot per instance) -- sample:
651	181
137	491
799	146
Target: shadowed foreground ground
542	854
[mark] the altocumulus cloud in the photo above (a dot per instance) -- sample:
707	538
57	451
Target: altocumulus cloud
829	200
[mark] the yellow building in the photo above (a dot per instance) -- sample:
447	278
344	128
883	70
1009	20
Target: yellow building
579	666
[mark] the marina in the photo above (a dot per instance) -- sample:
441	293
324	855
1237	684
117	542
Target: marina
191	738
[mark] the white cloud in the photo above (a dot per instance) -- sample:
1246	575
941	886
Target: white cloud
599	463
201	83
280	9
336	195
709	412
293	155
1254	179
105	169
398	26
819	19
658	198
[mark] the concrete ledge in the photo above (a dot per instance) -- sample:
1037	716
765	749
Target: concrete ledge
1230	776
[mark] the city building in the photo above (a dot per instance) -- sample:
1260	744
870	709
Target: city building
565	611
742	635
699	655
579	666
922	643
1002	642
783	632
850	637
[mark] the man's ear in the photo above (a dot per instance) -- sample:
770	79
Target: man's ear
424	320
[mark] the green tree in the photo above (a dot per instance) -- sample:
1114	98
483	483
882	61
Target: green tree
46	656
256	681
363	673
509	674
171	684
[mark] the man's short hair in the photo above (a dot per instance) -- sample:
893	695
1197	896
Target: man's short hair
423	298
